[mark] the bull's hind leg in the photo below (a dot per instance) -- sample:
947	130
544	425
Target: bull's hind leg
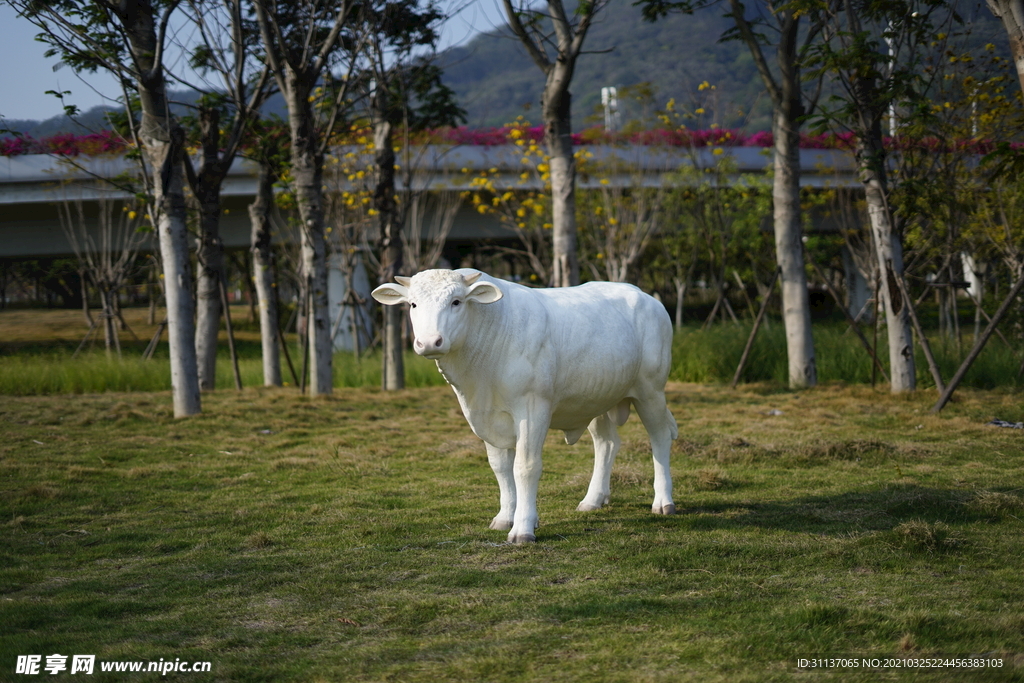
606	446
502	461
661	427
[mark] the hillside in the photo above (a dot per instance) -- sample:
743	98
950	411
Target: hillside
650	63
496	81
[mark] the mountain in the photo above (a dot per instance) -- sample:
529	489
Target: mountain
496	81
649	63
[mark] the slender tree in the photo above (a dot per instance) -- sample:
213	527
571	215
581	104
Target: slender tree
565	37
223	52
405	96
304	42
128	39
768	27
267	149
873	51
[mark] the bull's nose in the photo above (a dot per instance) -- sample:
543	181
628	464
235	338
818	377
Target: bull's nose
429	343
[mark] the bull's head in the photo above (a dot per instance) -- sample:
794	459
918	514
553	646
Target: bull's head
439	303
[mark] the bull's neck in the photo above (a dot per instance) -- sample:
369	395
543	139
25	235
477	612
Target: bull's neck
485	336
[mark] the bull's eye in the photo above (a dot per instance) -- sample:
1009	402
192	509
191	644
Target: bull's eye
413	305
456	302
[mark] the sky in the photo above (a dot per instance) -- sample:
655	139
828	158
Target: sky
26	75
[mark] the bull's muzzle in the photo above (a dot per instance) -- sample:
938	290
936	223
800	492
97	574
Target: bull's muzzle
428	345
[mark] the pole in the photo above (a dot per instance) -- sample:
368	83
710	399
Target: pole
231	333
921	339
979	344
757	326
849	319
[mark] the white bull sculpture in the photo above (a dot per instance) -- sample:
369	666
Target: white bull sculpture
522	361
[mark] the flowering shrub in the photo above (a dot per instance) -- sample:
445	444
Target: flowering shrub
64	144
108	142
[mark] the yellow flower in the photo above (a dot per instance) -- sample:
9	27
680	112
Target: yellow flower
699	110
132	215
717	151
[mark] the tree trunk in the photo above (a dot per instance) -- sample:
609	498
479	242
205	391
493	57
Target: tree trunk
107	315
556	105
164	141
680	298
210	249
393	375
307	180
1012	14
787	106
169	196
263	275
870	159
210	257
796	309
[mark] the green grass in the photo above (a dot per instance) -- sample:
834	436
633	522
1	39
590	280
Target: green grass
706	356
345	539
56	372
712	355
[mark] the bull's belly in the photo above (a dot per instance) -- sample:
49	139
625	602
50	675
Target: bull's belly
579	402
494	417
571	416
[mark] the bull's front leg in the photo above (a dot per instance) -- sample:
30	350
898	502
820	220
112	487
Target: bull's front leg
531	430
502	461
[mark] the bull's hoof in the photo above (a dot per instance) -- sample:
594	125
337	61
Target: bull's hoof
669	509
587	507
498	524
522	539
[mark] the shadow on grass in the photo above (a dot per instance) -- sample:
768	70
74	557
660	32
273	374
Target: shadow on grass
839	515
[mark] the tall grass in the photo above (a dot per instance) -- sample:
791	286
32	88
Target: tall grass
56	372
706	356
711	356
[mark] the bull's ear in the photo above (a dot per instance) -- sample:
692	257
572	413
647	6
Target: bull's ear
484	293
402	280
389	294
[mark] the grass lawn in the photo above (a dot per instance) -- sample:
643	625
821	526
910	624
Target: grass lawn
345	539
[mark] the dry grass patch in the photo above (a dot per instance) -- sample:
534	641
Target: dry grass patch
996	504
929	536
710	479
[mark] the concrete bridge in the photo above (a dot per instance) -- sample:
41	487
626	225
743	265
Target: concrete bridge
32	187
